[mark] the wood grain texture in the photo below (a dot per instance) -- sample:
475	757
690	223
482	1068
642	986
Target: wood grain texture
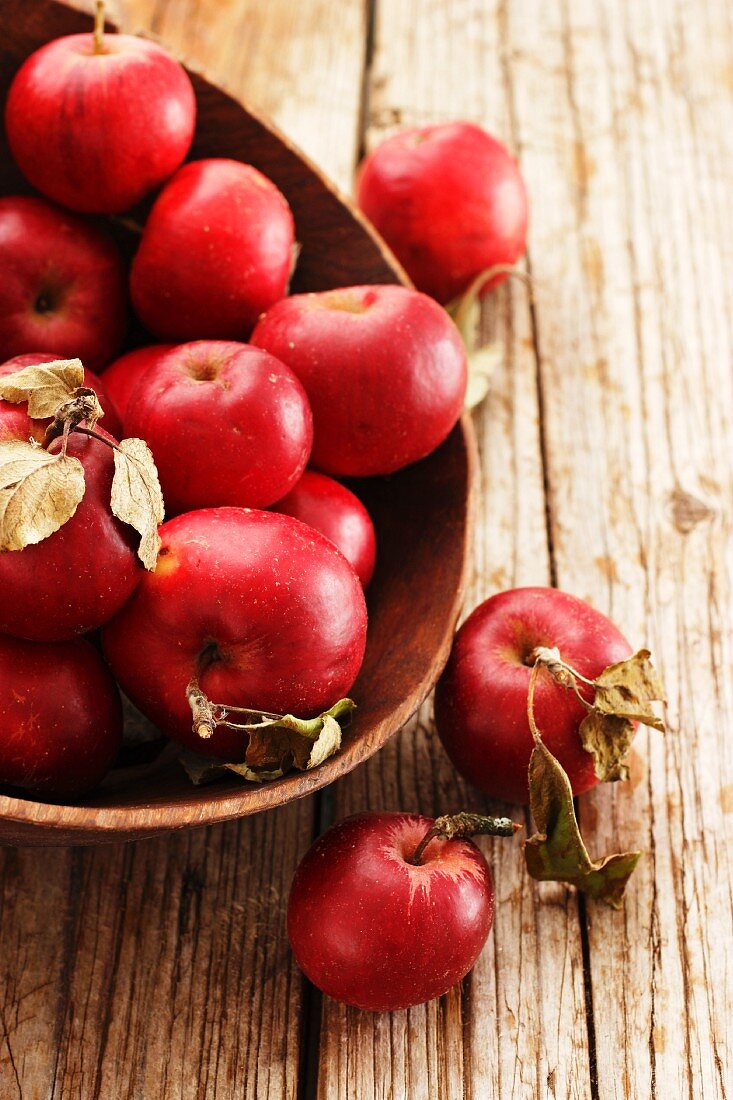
607	466
615	105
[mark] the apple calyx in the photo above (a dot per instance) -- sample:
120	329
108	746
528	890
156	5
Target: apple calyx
465	311
622	695
463	825
40	491
556	852
276	743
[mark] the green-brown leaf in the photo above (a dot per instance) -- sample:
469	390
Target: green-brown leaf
628	688
39	493
608	739
45	387
277	746
624	694
136	496
556	852
482	365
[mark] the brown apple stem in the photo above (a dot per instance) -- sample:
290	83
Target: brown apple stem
95	435
65	438
204	721
464	825
99	46
461	308
561	672
530	702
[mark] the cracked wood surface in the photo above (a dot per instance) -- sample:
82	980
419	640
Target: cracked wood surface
161	969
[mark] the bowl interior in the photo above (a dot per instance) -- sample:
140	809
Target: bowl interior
421	514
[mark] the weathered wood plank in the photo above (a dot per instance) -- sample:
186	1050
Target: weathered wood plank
161	969
625	113
300	64
154	969
509	1030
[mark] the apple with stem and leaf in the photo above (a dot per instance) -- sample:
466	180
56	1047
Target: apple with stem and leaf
245	612
71	498
539	701
388	910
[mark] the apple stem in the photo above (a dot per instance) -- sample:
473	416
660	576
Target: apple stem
563	673
530	703
464	825
461	308
204	720
99	28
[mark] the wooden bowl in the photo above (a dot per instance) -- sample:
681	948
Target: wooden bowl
422	514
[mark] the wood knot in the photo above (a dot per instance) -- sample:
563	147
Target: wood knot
687	510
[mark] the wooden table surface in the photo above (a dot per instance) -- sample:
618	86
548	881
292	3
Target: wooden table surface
161	969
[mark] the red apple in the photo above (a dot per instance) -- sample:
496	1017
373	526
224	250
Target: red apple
77	578
122	376
216	251
60	716
111	422
63	284
384	369
373	929
96	123
338	514
227	424
481	698
263	610
449	201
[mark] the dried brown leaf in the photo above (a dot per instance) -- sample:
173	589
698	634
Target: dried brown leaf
628	688
136	496
45	387
39	493
556	852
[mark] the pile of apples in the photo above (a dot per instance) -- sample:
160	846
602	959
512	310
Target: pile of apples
245	406
238	391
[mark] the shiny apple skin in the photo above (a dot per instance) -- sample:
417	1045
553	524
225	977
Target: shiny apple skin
481	698
96	132
72	269
77	578
111	421
370	929
384	369
227	423
122	376
338	514
264	609
217	250
450	202
60	717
